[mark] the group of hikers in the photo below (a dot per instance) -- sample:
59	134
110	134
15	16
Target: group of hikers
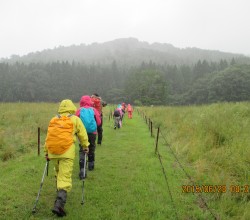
70	124
119	113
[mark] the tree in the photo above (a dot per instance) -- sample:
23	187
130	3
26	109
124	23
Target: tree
147	86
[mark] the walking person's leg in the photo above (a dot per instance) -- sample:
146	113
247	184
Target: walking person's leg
64	167
100	132
91	154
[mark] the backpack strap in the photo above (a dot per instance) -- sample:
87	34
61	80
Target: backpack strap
59	116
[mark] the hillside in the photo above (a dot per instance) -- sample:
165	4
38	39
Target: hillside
126	51
127	70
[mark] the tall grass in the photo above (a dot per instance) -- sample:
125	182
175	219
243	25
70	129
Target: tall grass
214	140
19	124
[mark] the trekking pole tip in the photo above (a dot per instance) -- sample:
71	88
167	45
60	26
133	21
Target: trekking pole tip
34	211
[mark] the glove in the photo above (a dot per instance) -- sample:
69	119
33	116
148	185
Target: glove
86	150
47	157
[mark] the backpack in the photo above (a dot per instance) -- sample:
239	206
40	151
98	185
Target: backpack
97	104
87	116
116	113
60	134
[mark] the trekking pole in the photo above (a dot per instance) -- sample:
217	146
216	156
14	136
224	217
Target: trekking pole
84	174
38	195
48	168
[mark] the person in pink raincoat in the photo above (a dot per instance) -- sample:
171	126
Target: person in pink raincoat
91	119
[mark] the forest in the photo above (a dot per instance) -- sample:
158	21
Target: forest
136	72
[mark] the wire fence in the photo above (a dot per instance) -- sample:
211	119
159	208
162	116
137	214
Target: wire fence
160	135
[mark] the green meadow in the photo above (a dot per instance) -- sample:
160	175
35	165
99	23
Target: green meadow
214	141
198	146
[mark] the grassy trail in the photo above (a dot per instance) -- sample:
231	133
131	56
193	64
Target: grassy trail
127	183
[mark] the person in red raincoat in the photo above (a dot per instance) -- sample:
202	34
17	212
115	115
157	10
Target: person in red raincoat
130	111
98	104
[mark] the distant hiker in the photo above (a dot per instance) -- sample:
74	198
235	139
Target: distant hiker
118	114
98	104
121	113
117	118
60	149
123	107
91	120
130	111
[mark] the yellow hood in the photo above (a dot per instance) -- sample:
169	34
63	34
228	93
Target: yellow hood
67	106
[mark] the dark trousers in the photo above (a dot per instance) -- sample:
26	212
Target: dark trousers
99	131
91	154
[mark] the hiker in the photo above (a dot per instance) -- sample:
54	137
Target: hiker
91	120
121	113
123	107
130	111
98	104
59	147
118	117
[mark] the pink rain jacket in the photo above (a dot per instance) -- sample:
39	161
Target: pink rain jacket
86	102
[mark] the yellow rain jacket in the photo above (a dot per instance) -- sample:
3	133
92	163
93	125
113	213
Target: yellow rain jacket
66	108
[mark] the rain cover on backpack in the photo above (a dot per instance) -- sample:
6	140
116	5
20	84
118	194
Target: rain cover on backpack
60	134
87	116
116	113
97	104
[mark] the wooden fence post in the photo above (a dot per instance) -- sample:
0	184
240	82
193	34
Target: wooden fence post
38	141
151	128
157	140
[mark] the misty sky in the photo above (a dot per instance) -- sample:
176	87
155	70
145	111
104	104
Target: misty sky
34	25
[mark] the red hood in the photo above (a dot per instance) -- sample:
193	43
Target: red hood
86	101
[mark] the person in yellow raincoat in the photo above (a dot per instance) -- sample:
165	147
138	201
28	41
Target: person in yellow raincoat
63	161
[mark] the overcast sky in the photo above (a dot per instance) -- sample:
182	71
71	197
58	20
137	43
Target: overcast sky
34	25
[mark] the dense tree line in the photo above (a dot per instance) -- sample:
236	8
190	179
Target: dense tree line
231	84
147	84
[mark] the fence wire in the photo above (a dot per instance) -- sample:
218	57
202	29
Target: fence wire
188	176
178	161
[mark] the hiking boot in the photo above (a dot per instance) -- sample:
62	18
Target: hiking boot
81	174
91	165
58	210
115	127
59	203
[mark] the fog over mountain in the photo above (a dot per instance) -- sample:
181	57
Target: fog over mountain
125	51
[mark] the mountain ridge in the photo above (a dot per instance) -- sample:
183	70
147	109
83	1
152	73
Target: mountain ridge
129	51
